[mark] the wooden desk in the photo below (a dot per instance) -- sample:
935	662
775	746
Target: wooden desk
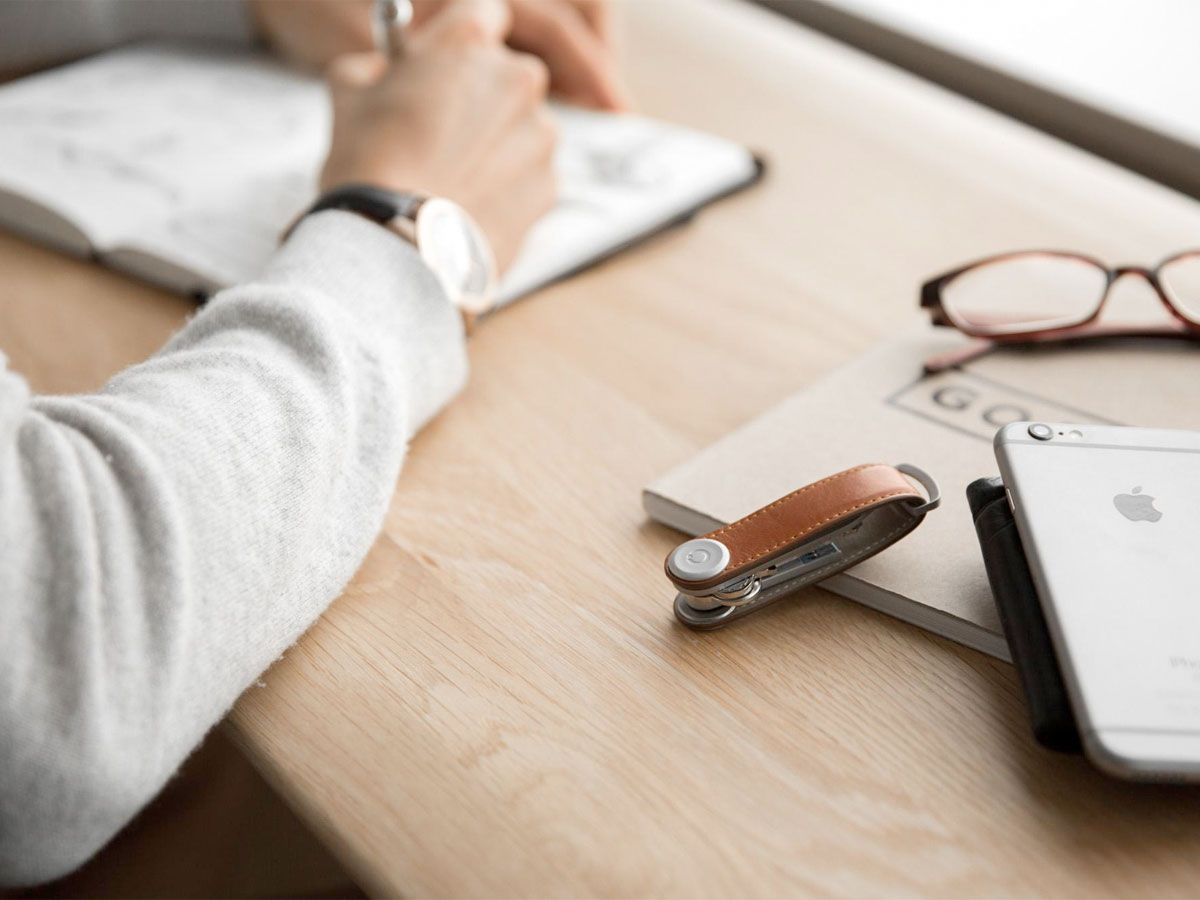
501	703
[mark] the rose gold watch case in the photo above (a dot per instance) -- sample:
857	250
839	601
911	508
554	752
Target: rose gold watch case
457	251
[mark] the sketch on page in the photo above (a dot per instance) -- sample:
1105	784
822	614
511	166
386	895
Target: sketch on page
183	163
619	177
157	132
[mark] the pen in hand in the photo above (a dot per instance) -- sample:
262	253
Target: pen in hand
391	18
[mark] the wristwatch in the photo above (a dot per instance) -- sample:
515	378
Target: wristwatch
445	236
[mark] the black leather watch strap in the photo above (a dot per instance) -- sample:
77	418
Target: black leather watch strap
397	211
374	203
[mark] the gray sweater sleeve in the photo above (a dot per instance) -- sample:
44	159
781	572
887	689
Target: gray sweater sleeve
38	33
164	540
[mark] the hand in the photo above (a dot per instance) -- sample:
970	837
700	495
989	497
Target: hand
573	37
312	33
460	116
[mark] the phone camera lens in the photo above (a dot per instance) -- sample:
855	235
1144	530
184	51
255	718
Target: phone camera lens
1041	432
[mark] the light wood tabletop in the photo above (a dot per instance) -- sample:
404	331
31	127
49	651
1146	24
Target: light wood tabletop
501	703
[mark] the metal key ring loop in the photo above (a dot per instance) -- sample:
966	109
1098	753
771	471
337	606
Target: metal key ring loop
932	491
699	618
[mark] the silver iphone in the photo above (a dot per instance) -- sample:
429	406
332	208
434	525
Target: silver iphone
1110	521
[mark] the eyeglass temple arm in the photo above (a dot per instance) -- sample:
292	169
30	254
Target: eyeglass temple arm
931	299
978	347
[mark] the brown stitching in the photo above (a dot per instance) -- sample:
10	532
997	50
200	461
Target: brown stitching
796	493
817	525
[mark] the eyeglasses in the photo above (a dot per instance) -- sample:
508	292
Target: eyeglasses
1047	295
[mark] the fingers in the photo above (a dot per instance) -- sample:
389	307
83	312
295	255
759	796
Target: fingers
531	78
517	86
424	10
573	37
507	216
349	74
355	70
460	22
529	146
347	25
581	68
514	185
599	16
518	132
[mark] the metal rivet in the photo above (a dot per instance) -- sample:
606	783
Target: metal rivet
698	560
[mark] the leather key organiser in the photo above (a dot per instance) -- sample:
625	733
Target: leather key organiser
799	540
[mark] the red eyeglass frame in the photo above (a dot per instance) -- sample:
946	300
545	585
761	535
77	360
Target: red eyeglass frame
986	341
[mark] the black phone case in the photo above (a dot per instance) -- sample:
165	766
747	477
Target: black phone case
1022	618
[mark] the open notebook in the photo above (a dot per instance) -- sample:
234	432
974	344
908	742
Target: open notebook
880	408
182	164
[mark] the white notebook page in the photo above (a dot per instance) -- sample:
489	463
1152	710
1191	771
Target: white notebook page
201	156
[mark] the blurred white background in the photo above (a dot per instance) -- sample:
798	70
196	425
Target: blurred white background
1140	60
1119	78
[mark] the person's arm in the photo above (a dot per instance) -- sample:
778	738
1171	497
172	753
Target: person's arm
167	538
164	540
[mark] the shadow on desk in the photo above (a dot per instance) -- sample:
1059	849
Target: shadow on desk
216	830
800	688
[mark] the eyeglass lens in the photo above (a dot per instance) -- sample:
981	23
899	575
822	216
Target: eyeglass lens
1180	280
1031	291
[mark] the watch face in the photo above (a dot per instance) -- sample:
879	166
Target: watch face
455	249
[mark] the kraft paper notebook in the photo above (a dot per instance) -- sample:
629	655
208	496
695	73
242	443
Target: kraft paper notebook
183	164
880	408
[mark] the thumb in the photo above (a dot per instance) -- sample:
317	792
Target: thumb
353	71
469	21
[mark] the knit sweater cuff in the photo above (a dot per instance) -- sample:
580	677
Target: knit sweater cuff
381	281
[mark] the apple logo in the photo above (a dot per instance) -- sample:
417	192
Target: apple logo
1137	507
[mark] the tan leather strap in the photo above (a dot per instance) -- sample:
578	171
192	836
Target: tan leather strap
804	515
